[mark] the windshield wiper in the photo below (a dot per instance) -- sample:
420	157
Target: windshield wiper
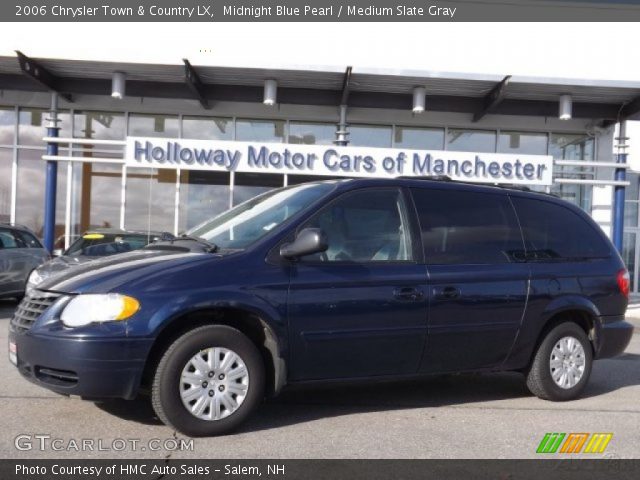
171	238
212	246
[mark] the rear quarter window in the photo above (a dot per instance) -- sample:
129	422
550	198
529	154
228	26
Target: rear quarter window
552	231
29	240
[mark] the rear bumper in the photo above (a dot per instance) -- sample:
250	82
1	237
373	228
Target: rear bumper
614	337
88	367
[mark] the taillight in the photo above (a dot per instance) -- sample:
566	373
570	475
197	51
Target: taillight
623	282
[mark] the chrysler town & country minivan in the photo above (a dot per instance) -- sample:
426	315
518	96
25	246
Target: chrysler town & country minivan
333	280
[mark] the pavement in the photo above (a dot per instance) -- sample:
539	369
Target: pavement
452	416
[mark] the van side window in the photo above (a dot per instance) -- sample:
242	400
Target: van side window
364	226
461	227
552	231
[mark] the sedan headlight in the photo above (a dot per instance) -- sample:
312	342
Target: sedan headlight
35	279
85	309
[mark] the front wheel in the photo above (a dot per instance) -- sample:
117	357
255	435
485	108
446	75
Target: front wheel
208	381
562	364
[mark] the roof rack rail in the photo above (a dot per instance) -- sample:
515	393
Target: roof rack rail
442	178
507	186
512	186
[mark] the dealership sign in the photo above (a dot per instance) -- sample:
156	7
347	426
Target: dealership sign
258	157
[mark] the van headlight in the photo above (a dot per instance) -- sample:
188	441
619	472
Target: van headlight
109	307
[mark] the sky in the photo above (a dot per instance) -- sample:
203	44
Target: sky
566	50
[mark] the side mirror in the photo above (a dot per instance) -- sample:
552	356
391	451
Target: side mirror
57	252
307	242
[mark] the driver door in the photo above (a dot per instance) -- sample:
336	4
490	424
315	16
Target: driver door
360	308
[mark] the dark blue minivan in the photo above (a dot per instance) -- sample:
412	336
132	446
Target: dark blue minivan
331	280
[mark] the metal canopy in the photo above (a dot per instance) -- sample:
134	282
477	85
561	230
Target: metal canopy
35	70
346	86
492	99
369	88
195	84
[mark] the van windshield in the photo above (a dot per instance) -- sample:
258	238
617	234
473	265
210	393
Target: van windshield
248	222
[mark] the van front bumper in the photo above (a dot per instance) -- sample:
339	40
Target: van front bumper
88	367
614	336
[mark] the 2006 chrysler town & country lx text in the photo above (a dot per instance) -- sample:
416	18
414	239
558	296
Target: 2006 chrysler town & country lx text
333	280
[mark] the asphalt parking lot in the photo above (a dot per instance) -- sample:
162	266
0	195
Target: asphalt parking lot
455	416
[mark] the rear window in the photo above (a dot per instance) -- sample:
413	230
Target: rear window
552	231
461	227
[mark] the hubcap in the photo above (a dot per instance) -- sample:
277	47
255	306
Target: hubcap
567	362
214	383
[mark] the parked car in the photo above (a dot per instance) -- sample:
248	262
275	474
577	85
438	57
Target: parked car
20	253
335	280
92	244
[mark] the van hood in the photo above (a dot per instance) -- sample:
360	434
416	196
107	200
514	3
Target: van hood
104	274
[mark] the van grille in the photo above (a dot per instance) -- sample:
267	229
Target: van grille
30	308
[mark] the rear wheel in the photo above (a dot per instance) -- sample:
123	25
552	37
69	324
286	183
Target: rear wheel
562	364
208	381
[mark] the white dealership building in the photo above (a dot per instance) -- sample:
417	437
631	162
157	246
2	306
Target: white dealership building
165	146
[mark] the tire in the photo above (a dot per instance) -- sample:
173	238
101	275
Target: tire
558	342
216	410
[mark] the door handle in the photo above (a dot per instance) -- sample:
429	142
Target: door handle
448	293
408	293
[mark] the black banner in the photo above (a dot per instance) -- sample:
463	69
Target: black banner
555	468
320	11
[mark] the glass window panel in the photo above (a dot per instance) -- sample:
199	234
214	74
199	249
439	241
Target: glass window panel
28	240
260	130
33	125
153	125
571	147
363	227
471	140
631	192
249	185
10	239
207	128
369	136
419	138
95	196
312	133
552	231
203	195
525	143
629	256
580	195
30	191
247	223
101	126
631	214
451	235
150	201
7	125
6	159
